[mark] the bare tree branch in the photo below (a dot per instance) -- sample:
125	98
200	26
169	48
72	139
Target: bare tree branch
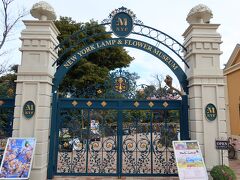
159	78
3	67
9	21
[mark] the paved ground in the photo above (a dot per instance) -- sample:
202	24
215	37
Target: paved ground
234	164
115	178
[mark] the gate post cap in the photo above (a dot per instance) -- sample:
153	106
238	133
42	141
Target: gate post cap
199	14
43	11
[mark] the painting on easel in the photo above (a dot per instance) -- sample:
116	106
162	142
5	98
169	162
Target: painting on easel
17	158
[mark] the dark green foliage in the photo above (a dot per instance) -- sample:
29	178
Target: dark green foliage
7	84
222	173
6	117
7	90
148	91
96	66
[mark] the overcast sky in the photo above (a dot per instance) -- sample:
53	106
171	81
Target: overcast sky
168	16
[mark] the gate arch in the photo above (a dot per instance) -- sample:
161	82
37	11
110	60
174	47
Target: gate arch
89	48
126	42
152	33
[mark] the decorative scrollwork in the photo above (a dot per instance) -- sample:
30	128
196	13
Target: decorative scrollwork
164	161
160	38
125	10
64	162
102	156
83	147
79	161
88	141
137	149
119	84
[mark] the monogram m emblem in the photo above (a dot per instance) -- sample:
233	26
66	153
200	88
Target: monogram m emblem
122	22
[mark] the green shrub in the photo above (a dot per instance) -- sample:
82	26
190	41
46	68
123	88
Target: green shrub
222	173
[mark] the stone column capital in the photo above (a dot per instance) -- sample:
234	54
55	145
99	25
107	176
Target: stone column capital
39	26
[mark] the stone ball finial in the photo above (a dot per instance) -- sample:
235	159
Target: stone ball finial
199	14
43	11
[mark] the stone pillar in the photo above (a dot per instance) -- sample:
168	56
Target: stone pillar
206	85
34	83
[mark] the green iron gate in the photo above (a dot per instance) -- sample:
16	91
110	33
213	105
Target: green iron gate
114	137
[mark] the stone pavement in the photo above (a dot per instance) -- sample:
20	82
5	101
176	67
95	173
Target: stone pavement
234	164
114	178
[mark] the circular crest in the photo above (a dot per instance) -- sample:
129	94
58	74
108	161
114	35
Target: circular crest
122	24
211	112
121	85
29	109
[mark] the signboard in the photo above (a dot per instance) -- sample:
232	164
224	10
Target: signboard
29	109
122	24
221	144
189	160
210	112
17	158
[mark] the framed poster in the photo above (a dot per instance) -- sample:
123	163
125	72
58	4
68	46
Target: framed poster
189	160
17	158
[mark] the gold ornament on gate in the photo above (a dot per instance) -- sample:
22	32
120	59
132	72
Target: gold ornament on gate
109	145
143	145
129	145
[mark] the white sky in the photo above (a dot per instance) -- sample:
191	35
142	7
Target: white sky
167	16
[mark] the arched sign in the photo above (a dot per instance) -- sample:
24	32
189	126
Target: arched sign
126	42
122	22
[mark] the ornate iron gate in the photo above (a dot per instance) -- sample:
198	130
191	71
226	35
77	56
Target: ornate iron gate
117	137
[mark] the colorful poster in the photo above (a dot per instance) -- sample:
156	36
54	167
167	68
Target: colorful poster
189	160
17	158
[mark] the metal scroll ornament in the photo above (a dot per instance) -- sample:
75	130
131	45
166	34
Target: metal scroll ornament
121	84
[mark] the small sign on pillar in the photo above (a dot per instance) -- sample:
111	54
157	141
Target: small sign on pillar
211	112
29	109
221	144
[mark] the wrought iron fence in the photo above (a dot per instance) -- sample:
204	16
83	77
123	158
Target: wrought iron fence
6	122
97	138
